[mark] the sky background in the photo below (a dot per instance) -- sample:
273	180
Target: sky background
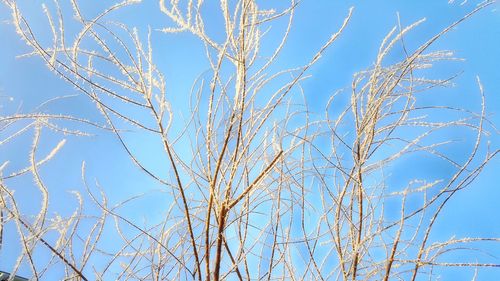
25	83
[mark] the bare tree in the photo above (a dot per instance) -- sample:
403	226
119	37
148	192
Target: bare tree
258	185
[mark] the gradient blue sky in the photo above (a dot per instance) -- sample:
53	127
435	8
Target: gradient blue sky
25	83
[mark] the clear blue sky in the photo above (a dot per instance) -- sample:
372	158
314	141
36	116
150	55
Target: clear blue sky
26	83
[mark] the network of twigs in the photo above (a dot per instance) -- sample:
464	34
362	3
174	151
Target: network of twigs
270	189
